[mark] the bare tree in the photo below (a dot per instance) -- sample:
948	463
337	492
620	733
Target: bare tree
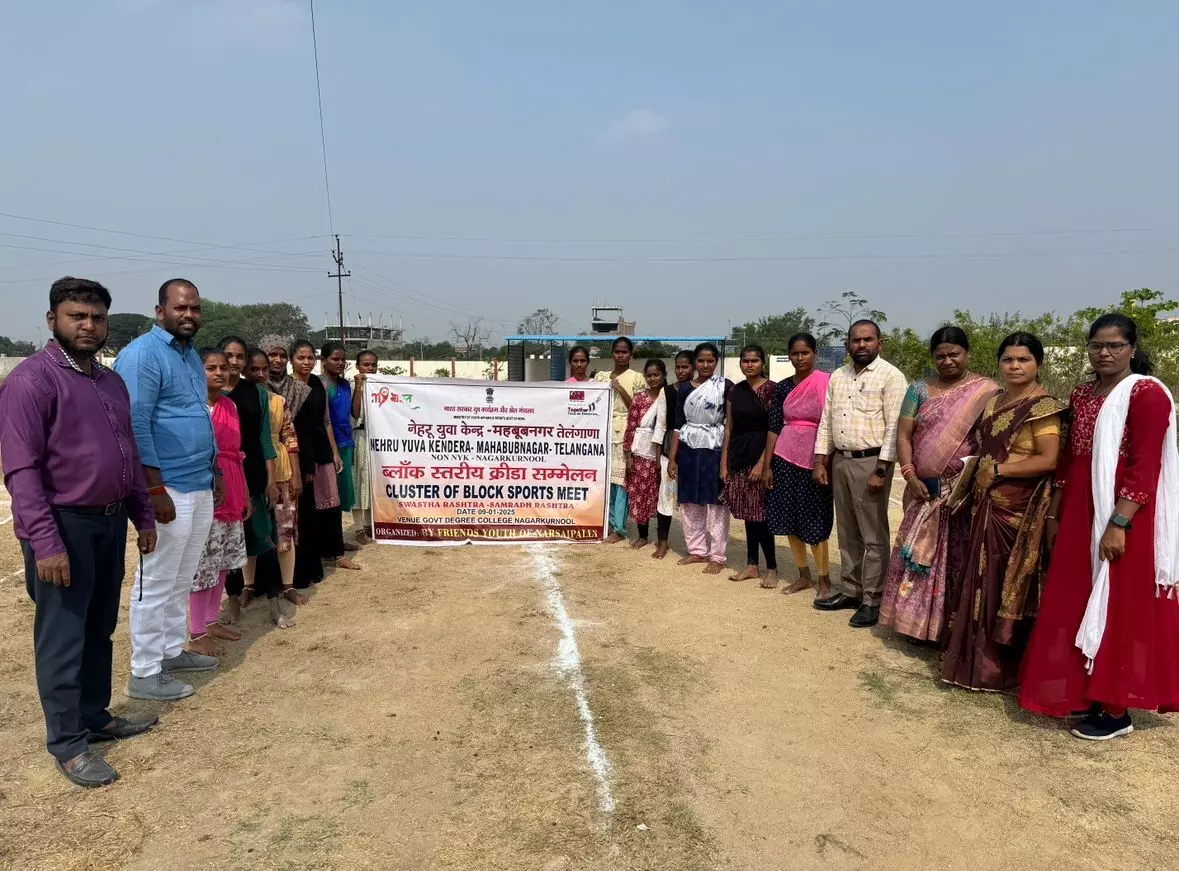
542	322
471	337
837	316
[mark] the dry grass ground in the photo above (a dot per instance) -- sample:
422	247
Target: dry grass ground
413	720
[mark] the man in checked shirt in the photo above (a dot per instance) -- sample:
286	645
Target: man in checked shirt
858	431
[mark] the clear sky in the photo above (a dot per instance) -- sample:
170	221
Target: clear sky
696	163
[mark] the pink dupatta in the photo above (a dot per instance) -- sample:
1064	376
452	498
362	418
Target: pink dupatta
801	412
941	444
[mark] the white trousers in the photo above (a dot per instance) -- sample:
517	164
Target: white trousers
159	596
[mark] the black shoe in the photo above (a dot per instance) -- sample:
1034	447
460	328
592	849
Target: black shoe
123	727
1101	727
838	602
865	616
90	770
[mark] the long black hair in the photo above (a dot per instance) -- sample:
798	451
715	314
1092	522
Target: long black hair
1140	363
1023	340
949	335
707	346
804	337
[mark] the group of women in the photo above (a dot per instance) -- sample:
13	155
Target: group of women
293	457
1040	542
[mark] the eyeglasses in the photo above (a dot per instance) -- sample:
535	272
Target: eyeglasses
1112	347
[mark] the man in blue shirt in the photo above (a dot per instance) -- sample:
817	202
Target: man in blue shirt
174	432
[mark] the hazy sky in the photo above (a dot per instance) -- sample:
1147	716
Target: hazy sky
695	163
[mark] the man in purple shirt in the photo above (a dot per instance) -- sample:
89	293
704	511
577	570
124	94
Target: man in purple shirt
73	472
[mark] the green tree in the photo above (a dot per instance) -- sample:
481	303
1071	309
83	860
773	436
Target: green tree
839	314
249	321
907	351
1157	334
13	348
124	327
774	332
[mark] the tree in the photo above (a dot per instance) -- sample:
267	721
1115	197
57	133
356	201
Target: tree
124	327
542	322
470	337
12	348
774	332
649	350
1157	335
838	315
908	352
250	321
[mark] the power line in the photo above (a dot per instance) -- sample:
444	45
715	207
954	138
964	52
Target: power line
995	255
327	188
805	237
246	247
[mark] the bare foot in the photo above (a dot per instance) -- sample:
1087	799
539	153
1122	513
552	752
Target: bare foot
345	563
362	537
351	546
692	560
613	538
771	580
750	574
824	589
233	611
660	551
295	597
205	646
798	586
714	568
218	631
282	612
246	597
639	544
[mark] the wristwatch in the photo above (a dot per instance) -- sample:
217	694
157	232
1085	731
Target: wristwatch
1120	521
881	472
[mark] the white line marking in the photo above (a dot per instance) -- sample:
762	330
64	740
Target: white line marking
568	663
5	521
13	576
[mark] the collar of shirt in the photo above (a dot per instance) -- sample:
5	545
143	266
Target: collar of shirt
169	339
57	353
871	367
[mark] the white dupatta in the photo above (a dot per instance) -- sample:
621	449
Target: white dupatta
704	416
1107	441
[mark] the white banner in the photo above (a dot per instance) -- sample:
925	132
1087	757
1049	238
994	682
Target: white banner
457	461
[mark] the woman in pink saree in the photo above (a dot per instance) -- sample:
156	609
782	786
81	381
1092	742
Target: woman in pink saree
934	439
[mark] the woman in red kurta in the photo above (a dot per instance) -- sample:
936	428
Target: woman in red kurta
1137	662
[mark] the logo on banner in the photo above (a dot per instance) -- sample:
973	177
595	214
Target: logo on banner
386	395
577	396
490	396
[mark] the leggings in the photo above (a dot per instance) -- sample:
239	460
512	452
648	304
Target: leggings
662	526
204	608
757	534
262	572
820	552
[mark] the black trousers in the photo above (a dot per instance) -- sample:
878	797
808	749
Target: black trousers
73	627
267	577
757	534
662	527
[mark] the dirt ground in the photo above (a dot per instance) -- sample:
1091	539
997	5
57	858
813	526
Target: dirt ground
414	719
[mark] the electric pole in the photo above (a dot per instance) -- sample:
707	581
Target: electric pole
340	275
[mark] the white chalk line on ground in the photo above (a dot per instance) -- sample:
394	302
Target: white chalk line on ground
568	663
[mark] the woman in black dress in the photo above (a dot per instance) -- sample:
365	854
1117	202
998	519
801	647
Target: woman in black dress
743	461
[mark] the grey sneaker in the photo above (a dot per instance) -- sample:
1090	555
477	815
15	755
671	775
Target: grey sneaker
187	661
160	687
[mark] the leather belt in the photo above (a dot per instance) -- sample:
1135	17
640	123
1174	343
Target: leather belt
859	455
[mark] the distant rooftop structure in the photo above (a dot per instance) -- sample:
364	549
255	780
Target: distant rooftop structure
365	334
608	320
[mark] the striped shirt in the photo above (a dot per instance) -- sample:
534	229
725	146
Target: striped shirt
862	410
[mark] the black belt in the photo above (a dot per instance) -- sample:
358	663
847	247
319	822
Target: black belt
106	510
859	455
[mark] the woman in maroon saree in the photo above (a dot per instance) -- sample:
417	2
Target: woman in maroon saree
995	599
